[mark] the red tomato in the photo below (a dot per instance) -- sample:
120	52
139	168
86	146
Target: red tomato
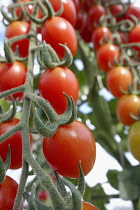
80	20
52	84
106	55
8	191
86	4
99	35
118	79
69	145
127	104
42	195
77	4
117	9
132	10
94	15
18	28
11	76
69	12
134	36
86	33
65	35
88	206
15	142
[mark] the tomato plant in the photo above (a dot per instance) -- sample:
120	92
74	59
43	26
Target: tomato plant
17	28
69	145
133	139
99	36
11	76
8	191
54	82
127	104
69	11
106	56
118	79
65	35
88	206
15	142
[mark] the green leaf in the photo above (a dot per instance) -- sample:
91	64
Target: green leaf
112	176
129	183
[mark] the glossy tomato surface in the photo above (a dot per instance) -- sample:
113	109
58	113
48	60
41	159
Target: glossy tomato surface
134	36
133	139
58	30
88	206
69	9
127	104
15	142
118	79
17	28
106	56
8	190
11	76
69	145
54	82
99	36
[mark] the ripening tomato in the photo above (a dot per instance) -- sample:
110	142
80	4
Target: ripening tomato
132	10
69	145
127	104
8	191
106	55
11	76
15	142
69	9
42	195
118	79
54	82
65	35
94	15
133	139
17	28
99	35
88	206
134	36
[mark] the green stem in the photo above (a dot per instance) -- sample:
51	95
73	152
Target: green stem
12	91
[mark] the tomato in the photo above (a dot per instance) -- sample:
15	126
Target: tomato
11	76
133	139
127	104
8	191
65	35
80	20
18	28
15	142
134	36
69	12
86	4
42	195
86	33
132	10
118	79
117	9
77	4
69	145
99	35
52	84
88	206
106	55
94	15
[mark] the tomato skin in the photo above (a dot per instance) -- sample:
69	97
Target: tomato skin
17	28
118	79
8	190
69	12
134	36
15	142
117	9
11	76
94	15
52	84
42	195
132	10
88	206
106	55
125	105
64	150
65	35
98	35
133	139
